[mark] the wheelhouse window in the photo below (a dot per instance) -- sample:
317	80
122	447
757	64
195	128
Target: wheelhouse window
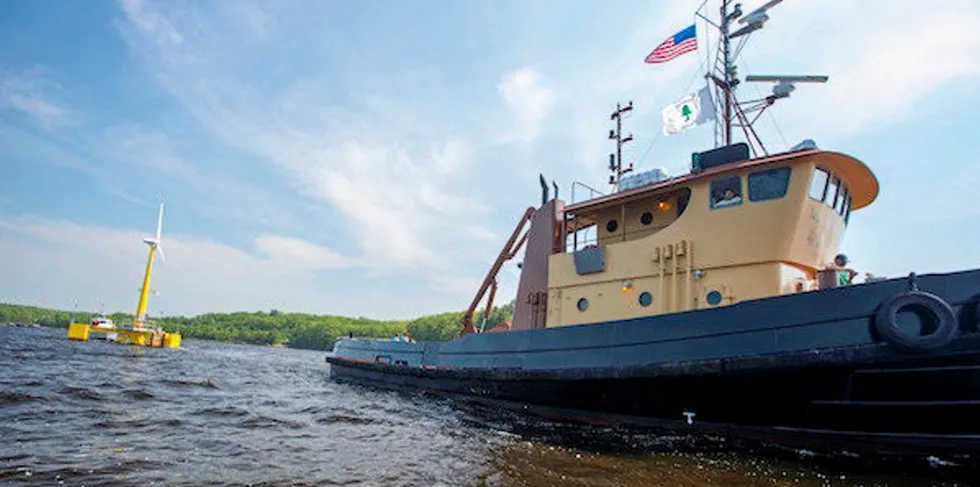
841	200
726	192
818	184
832	191
845	207
770	184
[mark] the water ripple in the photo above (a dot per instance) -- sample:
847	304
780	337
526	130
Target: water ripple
7	397
99	413
268	422
81	393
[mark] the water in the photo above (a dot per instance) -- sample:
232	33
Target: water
218	414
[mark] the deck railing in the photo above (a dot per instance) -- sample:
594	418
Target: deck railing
592	191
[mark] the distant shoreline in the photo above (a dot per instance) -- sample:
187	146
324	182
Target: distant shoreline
268	328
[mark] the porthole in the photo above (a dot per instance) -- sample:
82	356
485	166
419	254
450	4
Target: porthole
714	297
646	218
611	226
583	304
645	299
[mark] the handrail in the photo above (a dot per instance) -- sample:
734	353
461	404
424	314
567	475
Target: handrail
592	191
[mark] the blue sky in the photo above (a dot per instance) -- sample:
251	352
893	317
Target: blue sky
369	158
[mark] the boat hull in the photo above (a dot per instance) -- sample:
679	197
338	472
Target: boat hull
809	371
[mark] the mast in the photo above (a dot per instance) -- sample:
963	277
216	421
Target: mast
616	160
155	246
735	114
725	84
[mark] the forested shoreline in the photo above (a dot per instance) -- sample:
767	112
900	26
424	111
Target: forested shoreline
273	327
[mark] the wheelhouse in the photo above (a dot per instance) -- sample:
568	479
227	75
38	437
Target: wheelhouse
742	230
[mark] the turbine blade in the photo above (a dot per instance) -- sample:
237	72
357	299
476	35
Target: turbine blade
160	251
160	222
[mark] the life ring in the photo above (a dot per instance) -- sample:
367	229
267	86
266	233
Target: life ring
886	320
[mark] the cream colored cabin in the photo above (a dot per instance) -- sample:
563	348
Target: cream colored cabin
680	245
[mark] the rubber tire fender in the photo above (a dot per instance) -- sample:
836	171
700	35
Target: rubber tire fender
886	320
976	316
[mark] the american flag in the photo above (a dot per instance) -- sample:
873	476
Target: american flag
675	45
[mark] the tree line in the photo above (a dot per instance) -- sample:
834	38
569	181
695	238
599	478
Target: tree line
273	327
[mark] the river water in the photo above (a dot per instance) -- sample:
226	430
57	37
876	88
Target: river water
98	413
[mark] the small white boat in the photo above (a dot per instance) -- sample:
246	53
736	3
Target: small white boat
101	322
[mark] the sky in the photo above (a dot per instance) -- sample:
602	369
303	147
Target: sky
370	158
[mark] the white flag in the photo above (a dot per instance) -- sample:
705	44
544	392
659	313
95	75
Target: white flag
694	109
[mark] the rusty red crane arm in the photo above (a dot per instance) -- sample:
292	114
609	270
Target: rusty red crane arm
510	250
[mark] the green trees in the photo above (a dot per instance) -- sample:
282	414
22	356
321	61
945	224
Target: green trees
298	330
437	328
30	315
446	326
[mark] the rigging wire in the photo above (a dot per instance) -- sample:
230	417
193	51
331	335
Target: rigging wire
741	43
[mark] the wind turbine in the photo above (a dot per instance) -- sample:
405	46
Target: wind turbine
155	246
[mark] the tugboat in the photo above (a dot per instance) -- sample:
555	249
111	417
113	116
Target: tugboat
712	303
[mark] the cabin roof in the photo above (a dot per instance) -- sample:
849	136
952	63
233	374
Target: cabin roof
862	182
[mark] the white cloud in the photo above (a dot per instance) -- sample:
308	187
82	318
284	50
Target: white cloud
220	195
408	208
881	62
151	22
529	100
34	93
259	23
295	254
399	207
900	66
95	263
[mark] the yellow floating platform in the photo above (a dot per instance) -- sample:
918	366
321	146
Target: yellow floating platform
145	338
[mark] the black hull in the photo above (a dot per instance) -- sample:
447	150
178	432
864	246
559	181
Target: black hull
881	410
864	395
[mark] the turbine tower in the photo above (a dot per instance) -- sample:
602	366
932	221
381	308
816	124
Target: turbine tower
155	246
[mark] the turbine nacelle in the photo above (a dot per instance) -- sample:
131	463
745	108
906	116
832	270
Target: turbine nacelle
155	242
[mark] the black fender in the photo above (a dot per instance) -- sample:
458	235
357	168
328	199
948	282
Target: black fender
976	316
886	320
